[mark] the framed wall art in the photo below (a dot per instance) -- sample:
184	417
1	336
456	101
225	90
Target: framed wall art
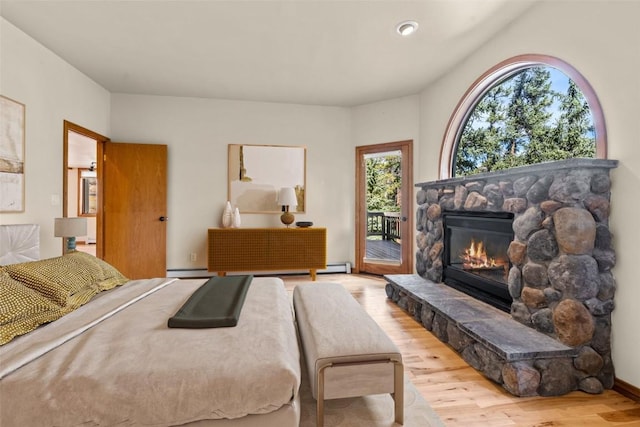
12	118
256	173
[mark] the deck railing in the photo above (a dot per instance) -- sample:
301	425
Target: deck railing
384	224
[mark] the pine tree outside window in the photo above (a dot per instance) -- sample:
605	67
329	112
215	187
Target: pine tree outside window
526	110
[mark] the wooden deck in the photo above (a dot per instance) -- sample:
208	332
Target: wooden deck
387	250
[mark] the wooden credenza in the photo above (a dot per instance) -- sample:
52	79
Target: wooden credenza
266	249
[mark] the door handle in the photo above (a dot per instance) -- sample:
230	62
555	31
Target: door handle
163	218
404	219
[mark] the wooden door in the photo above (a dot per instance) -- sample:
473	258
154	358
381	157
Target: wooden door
388	248
134	192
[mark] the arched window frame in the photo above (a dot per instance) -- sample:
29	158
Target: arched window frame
499	73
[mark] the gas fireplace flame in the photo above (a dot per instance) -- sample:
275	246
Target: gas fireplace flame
475	257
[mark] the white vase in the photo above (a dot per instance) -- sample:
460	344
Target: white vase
236	219
227	216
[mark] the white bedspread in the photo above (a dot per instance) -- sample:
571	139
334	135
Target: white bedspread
131	369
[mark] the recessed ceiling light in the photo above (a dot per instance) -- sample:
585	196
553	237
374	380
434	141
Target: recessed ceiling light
406	28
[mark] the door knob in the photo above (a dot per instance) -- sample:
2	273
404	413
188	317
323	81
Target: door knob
163	218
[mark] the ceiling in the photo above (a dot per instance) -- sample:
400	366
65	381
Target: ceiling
81	150
317	52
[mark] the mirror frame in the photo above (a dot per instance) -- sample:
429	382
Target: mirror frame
256	173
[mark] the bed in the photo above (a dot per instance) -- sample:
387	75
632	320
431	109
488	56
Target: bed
112	360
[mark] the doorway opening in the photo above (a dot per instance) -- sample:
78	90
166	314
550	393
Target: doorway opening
81	189
383	194
384	203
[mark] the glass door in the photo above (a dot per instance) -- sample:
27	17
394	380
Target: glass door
384	239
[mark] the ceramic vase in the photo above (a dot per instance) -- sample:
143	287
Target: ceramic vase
236	219
227	216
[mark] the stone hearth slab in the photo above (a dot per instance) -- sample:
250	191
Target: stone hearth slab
495	329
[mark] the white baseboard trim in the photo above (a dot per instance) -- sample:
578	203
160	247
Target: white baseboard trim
186	273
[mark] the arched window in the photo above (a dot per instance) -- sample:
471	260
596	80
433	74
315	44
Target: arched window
525	110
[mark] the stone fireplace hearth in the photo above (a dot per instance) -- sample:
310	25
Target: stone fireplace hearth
556	338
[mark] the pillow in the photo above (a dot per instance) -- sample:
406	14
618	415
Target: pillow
22	309
70	280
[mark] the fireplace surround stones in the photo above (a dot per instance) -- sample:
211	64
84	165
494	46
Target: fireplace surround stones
560	277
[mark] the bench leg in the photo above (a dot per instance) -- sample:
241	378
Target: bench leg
397	395
320	397
398	392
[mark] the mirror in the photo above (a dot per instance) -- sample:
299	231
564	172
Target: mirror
257	172
87	192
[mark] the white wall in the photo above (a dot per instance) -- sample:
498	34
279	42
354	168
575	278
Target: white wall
52	91
601	40
391	120
197	132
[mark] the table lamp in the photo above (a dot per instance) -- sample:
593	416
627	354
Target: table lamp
69	228
287	198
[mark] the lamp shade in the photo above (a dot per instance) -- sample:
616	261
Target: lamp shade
287	197
70	227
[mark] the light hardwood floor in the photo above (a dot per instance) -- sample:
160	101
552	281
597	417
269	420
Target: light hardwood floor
458	393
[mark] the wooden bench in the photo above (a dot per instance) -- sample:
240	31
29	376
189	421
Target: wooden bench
347	354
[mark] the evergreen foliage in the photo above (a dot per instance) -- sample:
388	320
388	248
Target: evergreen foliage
384	181
522	121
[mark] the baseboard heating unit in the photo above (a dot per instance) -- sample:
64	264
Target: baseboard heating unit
189	273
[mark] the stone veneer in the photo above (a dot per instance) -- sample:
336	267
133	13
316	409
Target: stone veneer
560	279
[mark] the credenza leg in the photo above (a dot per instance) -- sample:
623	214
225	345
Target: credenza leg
313	274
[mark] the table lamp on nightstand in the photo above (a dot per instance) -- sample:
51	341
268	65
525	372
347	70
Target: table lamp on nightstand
69	228
287	199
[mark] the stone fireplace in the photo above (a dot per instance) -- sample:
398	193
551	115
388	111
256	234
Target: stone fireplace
546	274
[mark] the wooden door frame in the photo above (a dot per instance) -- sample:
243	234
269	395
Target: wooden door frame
100	140
406	147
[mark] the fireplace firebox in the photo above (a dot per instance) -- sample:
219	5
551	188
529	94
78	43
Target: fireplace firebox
475	257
